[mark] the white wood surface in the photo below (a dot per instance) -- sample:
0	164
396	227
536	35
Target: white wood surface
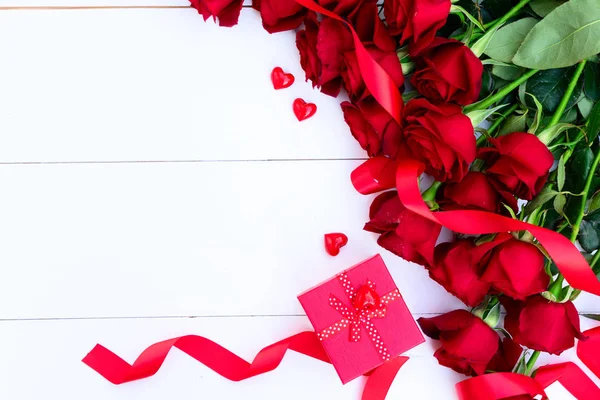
137	194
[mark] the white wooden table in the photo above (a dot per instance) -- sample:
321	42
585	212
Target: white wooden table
153	185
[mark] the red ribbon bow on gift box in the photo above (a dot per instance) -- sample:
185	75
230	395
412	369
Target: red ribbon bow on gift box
366	305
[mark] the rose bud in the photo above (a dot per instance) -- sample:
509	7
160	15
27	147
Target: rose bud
448	72
475	192
513	267
416	20
403	232
372	126
518	163
455	269
228	11
321	46
279	15
439	135
540	324
468	345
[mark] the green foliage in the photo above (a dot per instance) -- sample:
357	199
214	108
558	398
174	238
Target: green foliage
592	79
514	123
505	43
545	7
550	86
576	173
589	232
563	38
593	124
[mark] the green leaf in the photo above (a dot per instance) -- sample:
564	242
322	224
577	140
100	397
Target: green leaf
479	47
549	134
542	198
550	86
514	123
577	170
593	124
585	106
595	317
509	73
539	113
559	203
589	235
591	84
478	116
545	7
560	173
594	202
506	41
455	9
564	37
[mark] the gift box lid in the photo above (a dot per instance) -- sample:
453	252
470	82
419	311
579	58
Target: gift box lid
380	337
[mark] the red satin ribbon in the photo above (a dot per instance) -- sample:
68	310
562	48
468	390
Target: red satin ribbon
506	385
378	81
588	350
568	259
227	364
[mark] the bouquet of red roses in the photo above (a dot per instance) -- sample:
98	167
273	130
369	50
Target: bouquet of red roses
502	111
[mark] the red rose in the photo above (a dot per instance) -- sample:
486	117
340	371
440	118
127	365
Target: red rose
469	345
441	136
513	267
518	163
475	192
455	269
448	71
417	20
228	11
403	232
380	45
540	324
372	126
329	39
279	15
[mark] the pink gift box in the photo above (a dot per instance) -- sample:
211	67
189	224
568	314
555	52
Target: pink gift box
361	318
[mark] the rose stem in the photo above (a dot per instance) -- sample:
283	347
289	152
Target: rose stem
531	362
481	139
513	11
485	103
565	100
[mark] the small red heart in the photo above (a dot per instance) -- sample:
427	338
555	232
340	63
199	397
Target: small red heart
366	298
304	110
334	242
280	79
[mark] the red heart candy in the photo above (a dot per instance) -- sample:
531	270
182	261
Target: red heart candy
335	241
280	79
365	298
304	110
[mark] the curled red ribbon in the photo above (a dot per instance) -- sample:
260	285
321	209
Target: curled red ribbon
227	364
568	259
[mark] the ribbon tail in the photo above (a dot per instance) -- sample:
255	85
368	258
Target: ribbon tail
571	377
588	350
214	356
380	380
568	259
498	386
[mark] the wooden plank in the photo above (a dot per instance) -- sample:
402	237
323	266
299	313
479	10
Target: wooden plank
43	361
158	85
183	239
